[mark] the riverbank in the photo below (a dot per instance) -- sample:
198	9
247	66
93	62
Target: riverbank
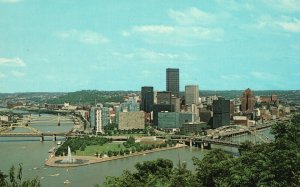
94	160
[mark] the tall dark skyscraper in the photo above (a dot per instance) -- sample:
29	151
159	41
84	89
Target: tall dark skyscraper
173	81
221	113
147	99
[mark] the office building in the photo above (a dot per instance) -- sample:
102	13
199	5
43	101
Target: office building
173	120
147	99
168	120
105	116
131	120
155	97
93	117
191	94
195	110
99	117
248	101
176	102
231	107
164	97
205	116
99	125
117	110
221	112
172	80
130	105
161	108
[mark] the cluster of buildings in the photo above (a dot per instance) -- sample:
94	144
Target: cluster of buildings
169	110
166	110
125	116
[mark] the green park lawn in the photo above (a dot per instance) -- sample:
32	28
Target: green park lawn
92	149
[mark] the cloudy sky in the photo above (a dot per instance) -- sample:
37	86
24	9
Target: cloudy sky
69	45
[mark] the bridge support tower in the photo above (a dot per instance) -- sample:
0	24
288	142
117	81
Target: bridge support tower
54	137
206	145
201	145
58	119
42	139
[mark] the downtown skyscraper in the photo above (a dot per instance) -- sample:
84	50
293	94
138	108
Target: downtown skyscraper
172	80
147	99
191	94
248	101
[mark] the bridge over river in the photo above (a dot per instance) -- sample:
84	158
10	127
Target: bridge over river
34	133
29	125
224	136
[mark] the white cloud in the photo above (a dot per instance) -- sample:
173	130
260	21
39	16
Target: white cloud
88	37
153	56
192	27
233	77
2	75
178	35
124	55
17	73
263	75
10	1
12	62
282	23
154	29
125	33
266	22
157	56
192	16
290	26
284	5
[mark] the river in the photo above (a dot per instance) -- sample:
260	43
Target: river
32	154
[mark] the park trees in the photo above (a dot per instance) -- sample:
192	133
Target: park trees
149	173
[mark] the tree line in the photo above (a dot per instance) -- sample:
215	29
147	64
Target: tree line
14	179
80	143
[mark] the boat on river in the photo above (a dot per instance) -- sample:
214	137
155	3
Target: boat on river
67	182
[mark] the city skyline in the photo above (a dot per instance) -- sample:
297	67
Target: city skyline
63	46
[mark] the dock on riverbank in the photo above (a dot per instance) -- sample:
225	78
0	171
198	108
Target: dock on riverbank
94	160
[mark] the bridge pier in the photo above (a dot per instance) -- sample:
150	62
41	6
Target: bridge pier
42	139
54	137
206	145
191	143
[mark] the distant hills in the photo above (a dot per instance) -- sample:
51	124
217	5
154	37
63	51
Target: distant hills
94	96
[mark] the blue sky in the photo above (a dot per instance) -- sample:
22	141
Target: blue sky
69	45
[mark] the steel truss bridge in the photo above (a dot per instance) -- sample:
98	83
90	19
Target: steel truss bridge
225	135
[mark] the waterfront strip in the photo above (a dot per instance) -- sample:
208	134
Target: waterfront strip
93	160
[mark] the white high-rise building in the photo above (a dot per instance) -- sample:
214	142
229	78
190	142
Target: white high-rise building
99	113
191	95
